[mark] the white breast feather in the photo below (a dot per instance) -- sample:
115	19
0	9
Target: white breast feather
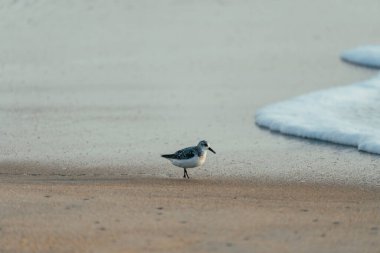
190	163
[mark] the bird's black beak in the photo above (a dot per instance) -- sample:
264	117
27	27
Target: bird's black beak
211	150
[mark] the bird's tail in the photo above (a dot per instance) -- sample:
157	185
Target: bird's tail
168	156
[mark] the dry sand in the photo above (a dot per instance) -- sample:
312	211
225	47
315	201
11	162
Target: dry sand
92	92
168	215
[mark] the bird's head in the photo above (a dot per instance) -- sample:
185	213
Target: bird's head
205	146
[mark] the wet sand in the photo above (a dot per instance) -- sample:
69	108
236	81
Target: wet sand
126	214
112	85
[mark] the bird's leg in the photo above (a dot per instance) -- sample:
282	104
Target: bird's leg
187	174
184	173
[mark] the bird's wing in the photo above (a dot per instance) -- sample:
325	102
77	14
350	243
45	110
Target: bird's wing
185	153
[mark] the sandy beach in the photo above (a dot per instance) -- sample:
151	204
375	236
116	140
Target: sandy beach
172	215
91	93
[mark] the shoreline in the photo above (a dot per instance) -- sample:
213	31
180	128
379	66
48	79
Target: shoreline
44	173
36	171
141	179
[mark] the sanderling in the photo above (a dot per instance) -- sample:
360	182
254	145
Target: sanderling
190	157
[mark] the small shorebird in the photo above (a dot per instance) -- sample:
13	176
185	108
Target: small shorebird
190	157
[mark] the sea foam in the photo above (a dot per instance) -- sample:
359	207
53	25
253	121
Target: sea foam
348	115
367	56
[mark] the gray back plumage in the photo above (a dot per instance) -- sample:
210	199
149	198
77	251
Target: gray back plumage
185	153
